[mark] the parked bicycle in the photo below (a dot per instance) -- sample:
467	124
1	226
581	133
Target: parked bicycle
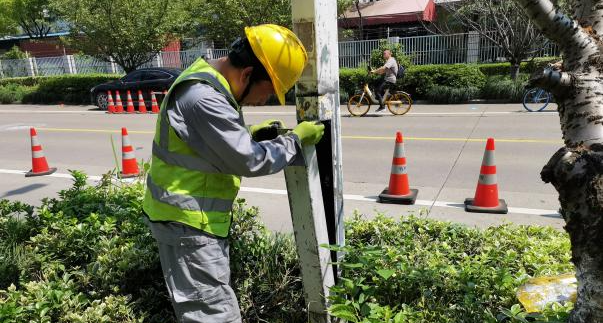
398	102
536	99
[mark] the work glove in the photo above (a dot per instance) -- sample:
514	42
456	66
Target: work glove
309	133
266	130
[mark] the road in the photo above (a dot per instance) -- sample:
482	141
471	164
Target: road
444	149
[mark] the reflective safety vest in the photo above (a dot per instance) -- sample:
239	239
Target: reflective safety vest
181	185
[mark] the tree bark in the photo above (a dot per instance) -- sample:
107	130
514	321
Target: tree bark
515	69
576	170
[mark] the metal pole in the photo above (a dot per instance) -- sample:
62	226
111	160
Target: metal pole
316	189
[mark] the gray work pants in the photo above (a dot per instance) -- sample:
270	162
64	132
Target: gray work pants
196	268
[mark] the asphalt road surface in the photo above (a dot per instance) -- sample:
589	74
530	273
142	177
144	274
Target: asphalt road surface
444	148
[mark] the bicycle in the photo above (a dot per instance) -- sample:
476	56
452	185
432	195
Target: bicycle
398	103
536	99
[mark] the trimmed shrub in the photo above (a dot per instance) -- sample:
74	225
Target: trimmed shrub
14	93
525	67
503	88
440	94
73	89
420	78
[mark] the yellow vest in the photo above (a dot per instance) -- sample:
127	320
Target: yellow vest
181	185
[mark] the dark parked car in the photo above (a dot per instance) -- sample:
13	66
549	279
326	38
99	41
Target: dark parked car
155	79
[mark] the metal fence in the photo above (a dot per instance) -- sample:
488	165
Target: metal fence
433	49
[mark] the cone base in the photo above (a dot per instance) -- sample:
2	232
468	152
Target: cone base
48	172
500	209
122	175
407	199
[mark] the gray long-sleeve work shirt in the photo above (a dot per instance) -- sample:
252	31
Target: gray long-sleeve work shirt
203	118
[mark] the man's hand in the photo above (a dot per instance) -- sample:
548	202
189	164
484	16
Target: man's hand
309	133
266	124
264	127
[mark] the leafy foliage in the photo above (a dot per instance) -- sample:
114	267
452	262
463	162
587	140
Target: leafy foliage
219	24
14	53
417	270
439	94
74	89
504	88
376	59
129	32
34	17
87	256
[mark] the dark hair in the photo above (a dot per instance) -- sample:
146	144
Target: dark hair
241	55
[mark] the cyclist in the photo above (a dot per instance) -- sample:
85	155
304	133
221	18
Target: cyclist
389	70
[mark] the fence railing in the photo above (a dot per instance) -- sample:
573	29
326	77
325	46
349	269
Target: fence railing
433	49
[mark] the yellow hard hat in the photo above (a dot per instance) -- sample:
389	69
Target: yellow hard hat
282	54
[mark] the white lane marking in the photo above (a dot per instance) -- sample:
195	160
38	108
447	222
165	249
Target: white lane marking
458	205
351	197
20	126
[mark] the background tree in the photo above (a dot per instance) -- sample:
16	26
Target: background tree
342	7
224	21
33	16
7	25
501	22
576	170
129	32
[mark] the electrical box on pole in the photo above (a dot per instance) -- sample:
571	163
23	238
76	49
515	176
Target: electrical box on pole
315	185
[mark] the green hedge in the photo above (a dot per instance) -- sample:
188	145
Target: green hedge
70	89
419	78
440	94
500	87
87	256
525	67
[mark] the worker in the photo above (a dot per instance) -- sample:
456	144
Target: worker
389	70
202	148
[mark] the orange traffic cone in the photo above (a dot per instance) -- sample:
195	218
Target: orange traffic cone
119	108
398	191
129	166
486	195
110	105
154	105
142	108
130	104
39	165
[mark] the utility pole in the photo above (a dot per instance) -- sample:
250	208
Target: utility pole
315	185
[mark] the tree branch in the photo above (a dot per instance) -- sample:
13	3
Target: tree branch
556	26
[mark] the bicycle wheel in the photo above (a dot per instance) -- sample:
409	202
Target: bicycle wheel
536	100
359	105
399	104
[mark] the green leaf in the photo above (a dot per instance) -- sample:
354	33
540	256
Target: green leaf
385	273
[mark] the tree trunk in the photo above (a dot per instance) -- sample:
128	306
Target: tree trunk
576	170
576	174
514	69
360	25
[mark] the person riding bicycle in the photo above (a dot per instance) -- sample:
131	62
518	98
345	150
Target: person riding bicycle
389	69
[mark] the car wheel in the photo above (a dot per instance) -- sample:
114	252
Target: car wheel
101	100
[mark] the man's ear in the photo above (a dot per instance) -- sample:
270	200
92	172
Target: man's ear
246	75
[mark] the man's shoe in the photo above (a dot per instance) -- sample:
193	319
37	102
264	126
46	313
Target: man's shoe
380	109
